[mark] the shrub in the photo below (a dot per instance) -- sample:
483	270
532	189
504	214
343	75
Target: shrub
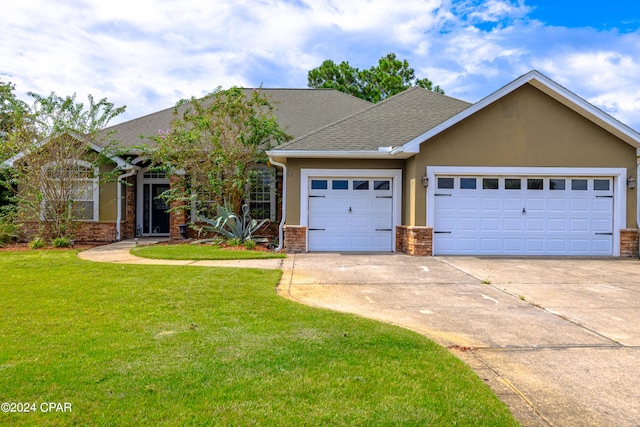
8	230
61	242
231	225
37	243
234	242
249	244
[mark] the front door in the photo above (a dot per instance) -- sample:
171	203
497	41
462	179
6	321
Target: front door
155	209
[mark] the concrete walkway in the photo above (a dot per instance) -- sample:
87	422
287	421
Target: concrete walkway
119	253
558	340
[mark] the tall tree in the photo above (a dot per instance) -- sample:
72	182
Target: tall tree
12	111
55	169
389	77
213	144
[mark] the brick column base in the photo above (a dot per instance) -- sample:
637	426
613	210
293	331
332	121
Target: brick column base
629	242
416	241
295	239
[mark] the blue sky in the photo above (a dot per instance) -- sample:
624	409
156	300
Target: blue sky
147	54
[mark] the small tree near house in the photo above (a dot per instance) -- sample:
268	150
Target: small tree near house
214	145
55	166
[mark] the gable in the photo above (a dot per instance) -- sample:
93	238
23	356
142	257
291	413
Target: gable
548	87
527	128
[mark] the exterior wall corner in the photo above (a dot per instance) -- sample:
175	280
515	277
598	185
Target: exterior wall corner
629	242
295	239
414	240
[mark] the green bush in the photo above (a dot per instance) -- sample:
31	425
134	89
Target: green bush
8	230
234	242
37	243
249	244
61	242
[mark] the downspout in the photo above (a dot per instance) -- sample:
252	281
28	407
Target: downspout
284	203
119	197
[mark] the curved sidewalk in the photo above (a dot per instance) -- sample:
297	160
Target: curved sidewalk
118	253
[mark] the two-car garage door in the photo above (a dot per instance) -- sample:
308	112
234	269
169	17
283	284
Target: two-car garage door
523	215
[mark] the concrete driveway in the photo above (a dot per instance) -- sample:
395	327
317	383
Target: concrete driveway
558	340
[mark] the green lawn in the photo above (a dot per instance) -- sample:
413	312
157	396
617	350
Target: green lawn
199	252
136	345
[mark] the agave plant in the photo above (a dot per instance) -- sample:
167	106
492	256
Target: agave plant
231	225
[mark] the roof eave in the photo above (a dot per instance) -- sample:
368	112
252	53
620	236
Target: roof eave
355	154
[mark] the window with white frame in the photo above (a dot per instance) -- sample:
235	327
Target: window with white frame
261	194
73	184
260	197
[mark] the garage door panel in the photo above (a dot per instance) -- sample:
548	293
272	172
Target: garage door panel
558	205
525	221
534	224
557	225
512	245
603	205
490	224
381	222
491	204
468	244
602	246
468	204
512	224
490	245
557	246
579	205
468	224
534	245
339	222
535	205
512	205
579	225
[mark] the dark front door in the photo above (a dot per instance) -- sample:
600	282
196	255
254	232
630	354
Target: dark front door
156	217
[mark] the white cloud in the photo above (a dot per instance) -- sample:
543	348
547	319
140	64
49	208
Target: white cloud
149	53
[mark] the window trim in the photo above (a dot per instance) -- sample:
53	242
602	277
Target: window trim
262	168
95	187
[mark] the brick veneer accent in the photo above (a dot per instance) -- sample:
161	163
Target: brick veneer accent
412	240
86	232
128	223
176	216
295	239
629	242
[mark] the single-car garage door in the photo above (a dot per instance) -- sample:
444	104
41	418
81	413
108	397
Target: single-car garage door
521	215
350	214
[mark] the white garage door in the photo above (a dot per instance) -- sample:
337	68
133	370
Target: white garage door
523	215
350	214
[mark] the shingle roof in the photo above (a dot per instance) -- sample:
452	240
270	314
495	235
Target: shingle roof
299	111
392	122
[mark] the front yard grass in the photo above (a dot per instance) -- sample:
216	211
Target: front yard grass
173	345
199	252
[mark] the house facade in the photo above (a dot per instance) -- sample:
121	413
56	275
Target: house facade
532	169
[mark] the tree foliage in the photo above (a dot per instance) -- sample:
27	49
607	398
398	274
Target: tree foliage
214	143
389	77
53	137
12	111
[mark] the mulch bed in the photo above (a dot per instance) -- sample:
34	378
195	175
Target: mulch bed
17	247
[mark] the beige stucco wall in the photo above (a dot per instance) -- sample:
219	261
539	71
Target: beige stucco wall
293	177
108	197
525	128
